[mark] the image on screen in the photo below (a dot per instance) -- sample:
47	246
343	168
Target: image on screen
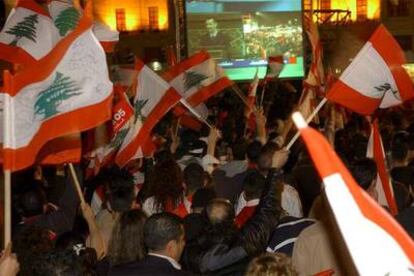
242	34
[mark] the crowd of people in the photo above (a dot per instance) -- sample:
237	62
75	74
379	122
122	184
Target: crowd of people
222	201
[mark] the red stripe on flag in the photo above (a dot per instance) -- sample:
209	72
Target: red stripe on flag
170	98
328	163
61	150
344	95
209	91
45	66
108	46
14	54
391	52
185	65
65	124
382	170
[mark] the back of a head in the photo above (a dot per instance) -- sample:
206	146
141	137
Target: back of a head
253	151
120	192
159	229
399	151
220	211
193	177
127	240
60	263
253	185
31	203
202	197
364	172
239	149
271	264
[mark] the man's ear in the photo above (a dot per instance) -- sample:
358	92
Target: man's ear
170	248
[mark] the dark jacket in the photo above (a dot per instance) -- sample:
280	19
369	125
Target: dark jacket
228	252
150	266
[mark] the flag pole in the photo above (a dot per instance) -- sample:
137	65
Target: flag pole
76	183
7	172
195	113
263	91
308	120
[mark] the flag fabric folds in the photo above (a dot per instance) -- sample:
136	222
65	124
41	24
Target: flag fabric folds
153	99
197	78
107	37
316	75
375	78
28	35
68	91
384	187
376	242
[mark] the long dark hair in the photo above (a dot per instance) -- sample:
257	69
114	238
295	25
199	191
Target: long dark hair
166	185
127	240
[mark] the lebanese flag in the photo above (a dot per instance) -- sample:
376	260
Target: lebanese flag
375	78
153	99
66	149
197	78
67	92
376	242
123	75
274	67
107	37
28	35
375	150
316	75
65	15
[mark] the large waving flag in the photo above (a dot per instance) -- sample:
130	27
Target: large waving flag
65	15
316	75
376	151
107	37
68	91
153	99
197	78
28	35
376	242
375	78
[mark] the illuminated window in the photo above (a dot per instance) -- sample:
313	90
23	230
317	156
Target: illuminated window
361	10
120	20
307	5
153	18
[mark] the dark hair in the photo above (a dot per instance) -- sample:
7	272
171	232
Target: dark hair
31	202
68	240
166	184
219	210
399	150
239	149
160	229
193	177
271	264
253	151
120	189
364	172
127	240
202	197
253	185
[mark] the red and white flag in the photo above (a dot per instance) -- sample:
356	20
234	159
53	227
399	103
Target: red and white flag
68	91
28	35
316	75
153	99
124	75
65	15
375	78
384	188
274	67
376	242
197	78
251	95
107	37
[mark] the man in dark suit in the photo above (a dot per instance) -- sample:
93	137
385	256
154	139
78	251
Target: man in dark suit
215	39
164	238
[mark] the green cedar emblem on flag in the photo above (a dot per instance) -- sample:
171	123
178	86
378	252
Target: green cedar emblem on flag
386	87
138	106
67	20
24	29
193	79
119	138
60	90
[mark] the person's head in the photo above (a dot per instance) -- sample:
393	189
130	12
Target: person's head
31	203
127	240
120	189
239	149
164	235
201	198
277	264
253	151
166	183
265	159
193	177
211	25
365	172
253	185
399	152
220	211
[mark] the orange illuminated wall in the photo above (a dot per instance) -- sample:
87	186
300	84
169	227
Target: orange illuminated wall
137	16
372	7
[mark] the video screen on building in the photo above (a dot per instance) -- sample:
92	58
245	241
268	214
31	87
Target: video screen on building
241	34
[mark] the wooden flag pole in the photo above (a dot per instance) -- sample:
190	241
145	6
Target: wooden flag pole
308	120
76	183
263	91
7	207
